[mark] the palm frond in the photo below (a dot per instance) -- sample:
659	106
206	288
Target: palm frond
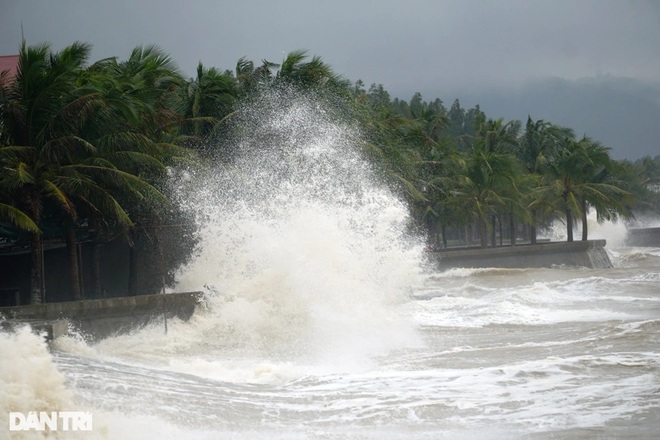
18	218
52	190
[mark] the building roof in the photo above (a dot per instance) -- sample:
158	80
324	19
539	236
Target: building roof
9	63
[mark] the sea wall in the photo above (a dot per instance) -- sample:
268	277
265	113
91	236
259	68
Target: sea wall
590	254
648	237
101	318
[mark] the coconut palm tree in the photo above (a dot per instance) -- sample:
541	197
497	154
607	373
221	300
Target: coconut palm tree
205	102
250	79
392	143
58	155
603	190
435	168
129	132
638	178
489	179
41	116
147	107
538	145
579	176
441	171
208	98
297	70
495	136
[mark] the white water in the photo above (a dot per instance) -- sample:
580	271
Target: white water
307	252
614	232
322	323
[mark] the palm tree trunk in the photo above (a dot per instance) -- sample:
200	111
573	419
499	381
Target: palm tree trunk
569	225
493	235
96	270
443	231
532	228
512	229
585	231
432	227
98	237
483	233
37	290
133	265
74	269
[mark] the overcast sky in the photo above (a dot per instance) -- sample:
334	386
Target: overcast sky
475	50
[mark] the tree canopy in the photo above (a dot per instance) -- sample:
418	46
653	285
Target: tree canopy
84	149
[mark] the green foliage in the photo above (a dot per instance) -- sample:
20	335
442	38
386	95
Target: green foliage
89	146
582	174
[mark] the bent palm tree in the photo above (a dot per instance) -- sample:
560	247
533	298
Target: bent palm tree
17	218
306	74
41	115
489	181
250	79
61	151
536	147
578	178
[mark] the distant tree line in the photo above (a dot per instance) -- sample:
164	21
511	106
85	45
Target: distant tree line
85	149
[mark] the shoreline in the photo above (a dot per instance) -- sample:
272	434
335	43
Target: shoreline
590	254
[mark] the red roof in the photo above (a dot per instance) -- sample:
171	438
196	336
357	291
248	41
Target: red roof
10	63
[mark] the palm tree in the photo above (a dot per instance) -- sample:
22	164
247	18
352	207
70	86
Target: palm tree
297	70
579	177
209	97
8	211
638	179
441	172
62	151
435	168
41	116
250	79
390	142
497	137
146	89
603	189
144	95
129	132
536	147
204	103
488	182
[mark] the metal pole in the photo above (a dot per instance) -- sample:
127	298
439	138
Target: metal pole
42	274
164	308
81	278
162	274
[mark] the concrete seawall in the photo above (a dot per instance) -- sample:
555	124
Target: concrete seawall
48	329
648	237
101	318
589	254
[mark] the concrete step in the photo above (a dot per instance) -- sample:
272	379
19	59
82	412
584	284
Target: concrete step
51	329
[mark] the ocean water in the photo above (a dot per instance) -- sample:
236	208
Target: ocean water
473	353
324	319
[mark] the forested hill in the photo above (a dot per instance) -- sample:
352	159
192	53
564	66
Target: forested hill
622	112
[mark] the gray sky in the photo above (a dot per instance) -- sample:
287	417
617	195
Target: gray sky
474	50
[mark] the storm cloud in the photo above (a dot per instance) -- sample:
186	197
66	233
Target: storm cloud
558	60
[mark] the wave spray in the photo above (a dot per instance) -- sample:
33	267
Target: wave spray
309	254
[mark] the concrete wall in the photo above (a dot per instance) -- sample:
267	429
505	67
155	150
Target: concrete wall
649	237
101	318
15	274
148	271
589	254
